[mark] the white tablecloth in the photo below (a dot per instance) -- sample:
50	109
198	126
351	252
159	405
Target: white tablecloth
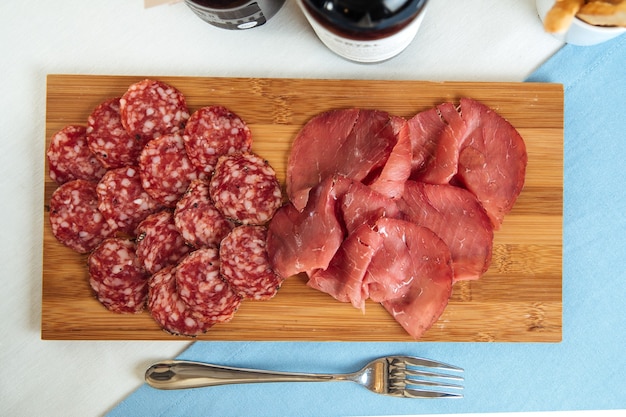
479	40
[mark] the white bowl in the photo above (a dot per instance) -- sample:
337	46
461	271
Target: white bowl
580	33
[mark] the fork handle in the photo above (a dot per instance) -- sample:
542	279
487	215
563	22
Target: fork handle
178	374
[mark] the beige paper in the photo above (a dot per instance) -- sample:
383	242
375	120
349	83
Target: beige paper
153	3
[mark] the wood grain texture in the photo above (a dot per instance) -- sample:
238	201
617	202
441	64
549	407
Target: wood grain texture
517	300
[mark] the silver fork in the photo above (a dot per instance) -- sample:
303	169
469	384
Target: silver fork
398	376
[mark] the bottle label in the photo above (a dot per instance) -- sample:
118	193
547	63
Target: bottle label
366	51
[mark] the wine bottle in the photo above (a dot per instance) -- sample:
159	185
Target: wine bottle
235	14
365	30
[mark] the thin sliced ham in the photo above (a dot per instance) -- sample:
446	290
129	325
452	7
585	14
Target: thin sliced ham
303	241
397	169
355	143
413	271
343	279
457	217
435	146
492	159
360	204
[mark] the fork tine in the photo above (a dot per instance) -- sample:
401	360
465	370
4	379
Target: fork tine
415	361
415	372
415	393
437	384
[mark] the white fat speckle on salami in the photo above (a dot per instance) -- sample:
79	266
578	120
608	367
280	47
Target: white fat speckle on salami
245	189
122	200
108	140
165	169
168	309
214	131
245	263
74	216
116	276
197	219
202	287
151	108
159	243
69	157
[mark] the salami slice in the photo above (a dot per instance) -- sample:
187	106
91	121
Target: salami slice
214	131
107	139
245	189
168	309
165	169
197	219
69	157
74	216
159	243
131	300
122	200
202	287
150	108
116	276
245	263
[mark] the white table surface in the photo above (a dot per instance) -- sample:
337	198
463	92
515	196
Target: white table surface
479	40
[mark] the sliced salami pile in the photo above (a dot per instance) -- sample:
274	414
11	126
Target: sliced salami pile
397	210
151	192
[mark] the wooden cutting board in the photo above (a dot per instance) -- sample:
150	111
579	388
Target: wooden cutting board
517	300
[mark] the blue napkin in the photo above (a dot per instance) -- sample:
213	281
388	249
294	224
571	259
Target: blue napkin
585	371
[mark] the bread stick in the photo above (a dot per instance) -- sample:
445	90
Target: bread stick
604	13
560	16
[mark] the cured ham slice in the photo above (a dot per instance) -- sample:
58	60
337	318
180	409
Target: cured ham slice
343	279
412	275
360	204
355	143
303	241
457	217
436	141
397	169
492	159
424	130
